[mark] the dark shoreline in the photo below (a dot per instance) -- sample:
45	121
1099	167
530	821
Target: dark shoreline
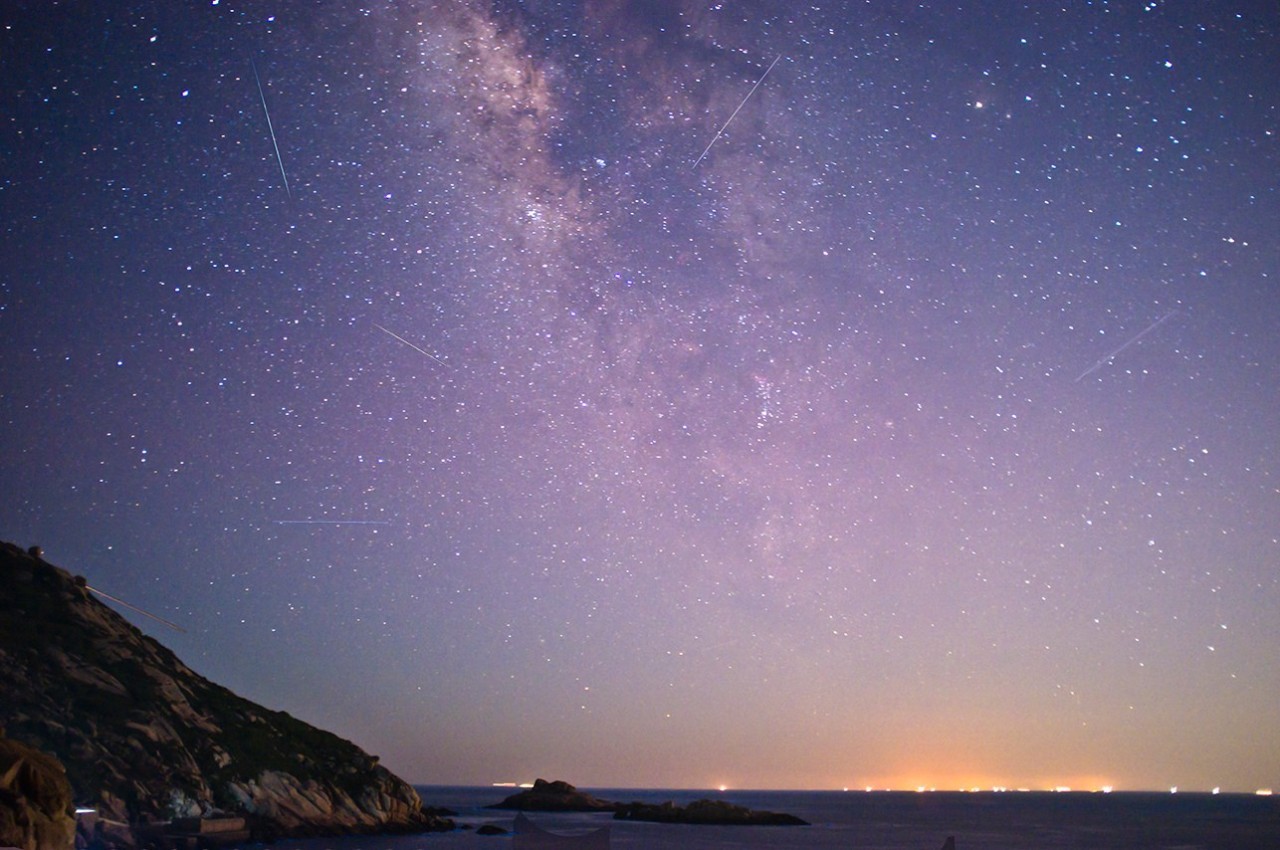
893	820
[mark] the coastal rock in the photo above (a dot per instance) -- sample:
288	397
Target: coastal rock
555	796
704	812
295	806
35	800
144	739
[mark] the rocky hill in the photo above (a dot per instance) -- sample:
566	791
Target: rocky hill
560	796
555	796
144	739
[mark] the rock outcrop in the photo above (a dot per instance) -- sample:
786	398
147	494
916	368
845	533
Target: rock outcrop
144	739
559	796
35	800
705	812
556	796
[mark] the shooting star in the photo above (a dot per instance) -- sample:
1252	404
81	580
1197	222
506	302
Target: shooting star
270	129
330	522
104	595
1105	360
411	345
736	111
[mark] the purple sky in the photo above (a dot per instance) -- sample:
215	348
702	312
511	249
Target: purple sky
922	432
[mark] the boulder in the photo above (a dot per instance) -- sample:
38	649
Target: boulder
35	800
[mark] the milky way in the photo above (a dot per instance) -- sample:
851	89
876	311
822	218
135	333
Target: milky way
668	393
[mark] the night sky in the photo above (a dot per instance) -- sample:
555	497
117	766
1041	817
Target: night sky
667	393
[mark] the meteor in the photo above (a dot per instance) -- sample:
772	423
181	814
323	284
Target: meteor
1105	360
330	522
736	111
270	129
411	345
119	601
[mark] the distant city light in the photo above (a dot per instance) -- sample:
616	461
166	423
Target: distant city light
1263	792
1084	787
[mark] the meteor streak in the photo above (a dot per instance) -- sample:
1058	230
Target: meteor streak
736	111
1105	360
411	345
118	601
270	129
330	522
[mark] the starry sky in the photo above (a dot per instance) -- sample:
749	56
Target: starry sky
667	393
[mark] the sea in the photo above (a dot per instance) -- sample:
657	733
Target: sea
879	820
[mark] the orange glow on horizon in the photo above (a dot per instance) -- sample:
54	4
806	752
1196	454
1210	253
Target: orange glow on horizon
925	783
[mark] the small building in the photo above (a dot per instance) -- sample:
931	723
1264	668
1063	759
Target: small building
207	832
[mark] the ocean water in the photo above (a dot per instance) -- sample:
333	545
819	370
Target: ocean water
857	820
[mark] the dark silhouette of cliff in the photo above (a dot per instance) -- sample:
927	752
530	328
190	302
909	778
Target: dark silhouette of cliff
146	740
